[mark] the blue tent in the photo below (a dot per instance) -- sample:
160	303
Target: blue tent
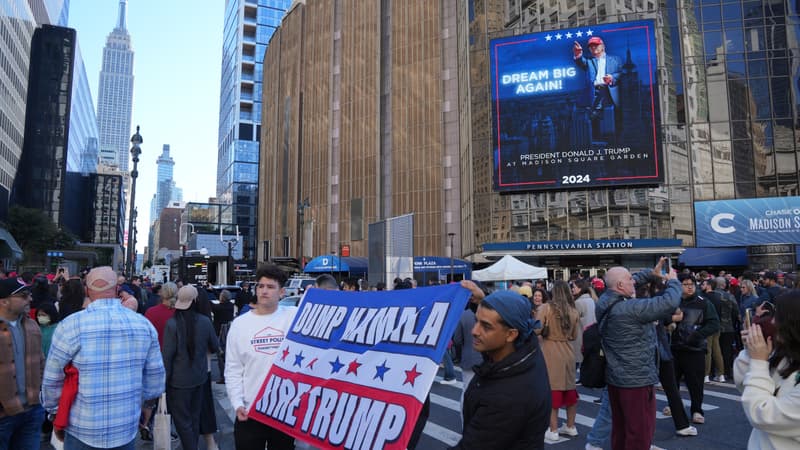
336	263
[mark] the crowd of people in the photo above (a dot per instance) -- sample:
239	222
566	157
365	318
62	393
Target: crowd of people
91	356
658	328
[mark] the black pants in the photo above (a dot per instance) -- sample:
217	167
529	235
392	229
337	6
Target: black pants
666	375
691	367
254	435
208	415
184	406
726	341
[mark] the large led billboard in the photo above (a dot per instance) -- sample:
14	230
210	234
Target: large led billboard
576	108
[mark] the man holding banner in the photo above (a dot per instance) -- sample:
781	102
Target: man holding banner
507	403
355	368
252	344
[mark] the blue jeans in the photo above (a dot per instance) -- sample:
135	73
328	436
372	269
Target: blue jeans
22	430
71	443
600	435
449	368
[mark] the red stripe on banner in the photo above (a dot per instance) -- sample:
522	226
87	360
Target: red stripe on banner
332	414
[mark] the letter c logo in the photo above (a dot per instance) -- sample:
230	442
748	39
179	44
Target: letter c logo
715	223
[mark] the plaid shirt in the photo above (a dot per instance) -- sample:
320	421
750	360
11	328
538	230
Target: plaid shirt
119	361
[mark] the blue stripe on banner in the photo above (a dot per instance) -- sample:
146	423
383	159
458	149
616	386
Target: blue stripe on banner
417	322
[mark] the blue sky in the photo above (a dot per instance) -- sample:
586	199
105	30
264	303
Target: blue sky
177	48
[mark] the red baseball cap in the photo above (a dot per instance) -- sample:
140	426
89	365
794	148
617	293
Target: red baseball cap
595	40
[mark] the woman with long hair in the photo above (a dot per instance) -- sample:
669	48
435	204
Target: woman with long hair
585	299
560	323
767	372
73	296
188	336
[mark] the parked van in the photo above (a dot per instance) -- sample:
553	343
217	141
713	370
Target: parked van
298	285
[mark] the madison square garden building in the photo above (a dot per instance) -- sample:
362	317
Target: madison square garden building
488	120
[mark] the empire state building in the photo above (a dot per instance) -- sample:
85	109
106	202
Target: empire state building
115	95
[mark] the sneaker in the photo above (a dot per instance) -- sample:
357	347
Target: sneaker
592	447
720	379
448	381
698	418
667	411
569	431
551	436
706	380
688	431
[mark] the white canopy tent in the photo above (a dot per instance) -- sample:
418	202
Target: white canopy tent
509	268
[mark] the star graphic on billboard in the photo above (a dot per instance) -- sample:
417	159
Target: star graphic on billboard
548	38
578	33
311	364
336	366
589	32
380	371
298	359
558	36
568	35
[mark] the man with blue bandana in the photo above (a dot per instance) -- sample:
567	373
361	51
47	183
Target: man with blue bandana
507	403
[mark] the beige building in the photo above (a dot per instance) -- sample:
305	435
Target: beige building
359	124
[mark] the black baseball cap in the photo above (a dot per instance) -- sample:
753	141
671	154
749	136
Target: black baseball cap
12	286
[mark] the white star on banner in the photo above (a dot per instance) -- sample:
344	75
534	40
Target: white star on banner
548	38
568	35
589	32
558	37
579	34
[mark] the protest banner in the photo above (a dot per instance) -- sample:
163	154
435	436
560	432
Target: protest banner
356	367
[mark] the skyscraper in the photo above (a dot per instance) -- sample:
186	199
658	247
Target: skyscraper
115	95
164	181
249	25
17	22
43	165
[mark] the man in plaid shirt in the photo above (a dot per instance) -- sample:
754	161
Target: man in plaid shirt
116	353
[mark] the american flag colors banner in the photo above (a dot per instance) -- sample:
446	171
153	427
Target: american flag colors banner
356	367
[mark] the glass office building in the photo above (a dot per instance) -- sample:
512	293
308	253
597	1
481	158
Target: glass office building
249	25
725	92
40	179
83	151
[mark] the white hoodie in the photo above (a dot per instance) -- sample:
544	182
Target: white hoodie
775	416
252	343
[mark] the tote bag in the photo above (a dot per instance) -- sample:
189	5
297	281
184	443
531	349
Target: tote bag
162	426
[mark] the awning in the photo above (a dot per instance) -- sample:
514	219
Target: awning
9	247
336	263
713	256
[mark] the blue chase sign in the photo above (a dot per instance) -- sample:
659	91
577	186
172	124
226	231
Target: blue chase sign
756	221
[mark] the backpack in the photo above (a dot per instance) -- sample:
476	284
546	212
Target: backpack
593	367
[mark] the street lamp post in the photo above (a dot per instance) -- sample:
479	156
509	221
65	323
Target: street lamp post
301	212
231	242
136	142
185	241
451	236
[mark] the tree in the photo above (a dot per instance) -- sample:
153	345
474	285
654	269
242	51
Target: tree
36	233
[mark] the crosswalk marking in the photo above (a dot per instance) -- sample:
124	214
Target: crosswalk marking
441	433
448	403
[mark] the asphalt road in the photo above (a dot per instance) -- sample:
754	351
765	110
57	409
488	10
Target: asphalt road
726	427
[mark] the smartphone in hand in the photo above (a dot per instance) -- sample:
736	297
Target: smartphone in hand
747	320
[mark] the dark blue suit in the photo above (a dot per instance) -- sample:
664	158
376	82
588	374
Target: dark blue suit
613	68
